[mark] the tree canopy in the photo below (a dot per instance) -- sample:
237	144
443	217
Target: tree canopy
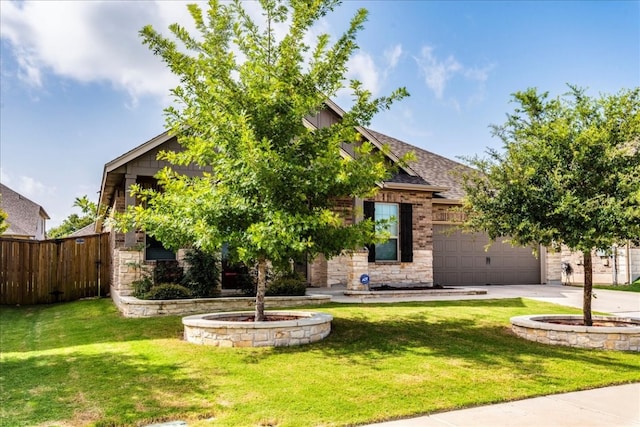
3	221
241	110
74	222
568	174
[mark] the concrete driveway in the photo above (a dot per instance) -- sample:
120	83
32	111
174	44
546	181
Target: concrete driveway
614	302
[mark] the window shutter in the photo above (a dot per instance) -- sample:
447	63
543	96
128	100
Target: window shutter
406	232
370	213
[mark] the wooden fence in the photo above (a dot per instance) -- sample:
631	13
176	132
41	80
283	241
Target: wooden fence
47	271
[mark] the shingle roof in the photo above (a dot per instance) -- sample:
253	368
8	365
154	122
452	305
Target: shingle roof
24	215
87	230
433	168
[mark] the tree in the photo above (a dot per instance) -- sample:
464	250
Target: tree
3	221
240	109
569	175
74	222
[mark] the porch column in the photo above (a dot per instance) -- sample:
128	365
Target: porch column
129	200
357	265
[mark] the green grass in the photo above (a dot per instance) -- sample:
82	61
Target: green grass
634	287
83	364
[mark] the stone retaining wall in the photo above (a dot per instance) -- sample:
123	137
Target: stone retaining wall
210	329
133	307
535	328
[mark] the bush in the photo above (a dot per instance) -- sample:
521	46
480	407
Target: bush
167	271
202	276
141	287
290	285
168	291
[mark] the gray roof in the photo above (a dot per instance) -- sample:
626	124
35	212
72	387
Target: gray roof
87	230
23	214
433	168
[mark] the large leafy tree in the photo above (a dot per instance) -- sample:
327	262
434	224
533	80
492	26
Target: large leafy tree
240	109
89	213
568	174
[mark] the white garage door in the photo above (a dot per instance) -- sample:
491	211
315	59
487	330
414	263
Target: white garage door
460	259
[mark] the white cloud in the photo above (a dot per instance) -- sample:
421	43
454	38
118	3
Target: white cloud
26	185
362	67
437	72
90	42
392	55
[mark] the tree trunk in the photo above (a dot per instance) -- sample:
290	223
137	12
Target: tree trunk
588	286
261	289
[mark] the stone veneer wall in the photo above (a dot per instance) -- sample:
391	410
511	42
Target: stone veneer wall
602	266
553	267
347	268
133	307
420	271
125	269
538	329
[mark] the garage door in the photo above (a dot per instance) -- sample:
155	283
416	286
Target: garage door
460	259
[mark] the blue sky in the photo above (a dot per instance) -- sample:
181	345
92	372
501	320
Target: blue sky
78	89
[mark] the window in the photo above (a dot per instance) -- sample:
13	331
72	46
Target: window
387	251
400	244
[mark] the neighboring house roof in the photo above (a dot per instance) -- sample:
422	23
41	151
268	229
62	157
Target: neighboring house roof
433	168
87	230
24	216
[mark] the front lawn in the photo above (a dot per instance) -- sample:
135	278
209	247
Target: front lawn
634	287
82	364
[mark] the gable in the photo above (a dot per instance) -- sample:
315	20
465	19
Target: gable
25	217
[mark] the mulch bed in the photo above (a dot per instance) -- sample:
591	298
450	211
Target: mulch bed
407	288
600	323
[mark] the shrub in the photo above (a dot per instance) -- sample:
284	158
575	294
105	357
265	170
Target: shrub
247	284
141	287
202	276
290	285
167	271
168	291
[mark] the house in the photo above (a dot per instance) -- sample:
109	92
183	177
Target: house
425	246
26	219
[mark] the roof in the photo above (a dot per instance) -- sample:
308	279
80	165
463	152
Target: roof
433	168
110	179
87	230
430	172
23	214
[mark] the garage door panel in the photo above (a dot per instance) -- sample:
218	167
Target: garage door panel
461	259
451	261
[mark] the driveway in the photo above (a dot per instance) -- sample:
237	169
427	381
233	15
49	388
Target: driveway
614	302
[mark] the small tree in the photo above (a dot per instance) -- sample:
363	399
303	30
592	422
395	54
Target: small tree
569	175
240	109
3	221
74	222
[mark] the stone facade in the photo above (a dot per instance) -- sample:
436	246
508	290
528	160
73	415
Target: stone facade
621	266
538	329
133	307
347	268
126	268
212	330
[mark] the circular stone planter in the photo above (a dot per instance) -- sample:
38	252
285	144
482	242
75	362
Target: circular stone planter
237	329
614	333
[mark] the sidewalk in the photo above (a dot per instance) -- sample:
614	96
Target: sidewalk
604	407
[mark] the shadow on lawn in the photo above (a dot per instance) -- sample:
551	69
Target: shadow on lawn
112	388
362	340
